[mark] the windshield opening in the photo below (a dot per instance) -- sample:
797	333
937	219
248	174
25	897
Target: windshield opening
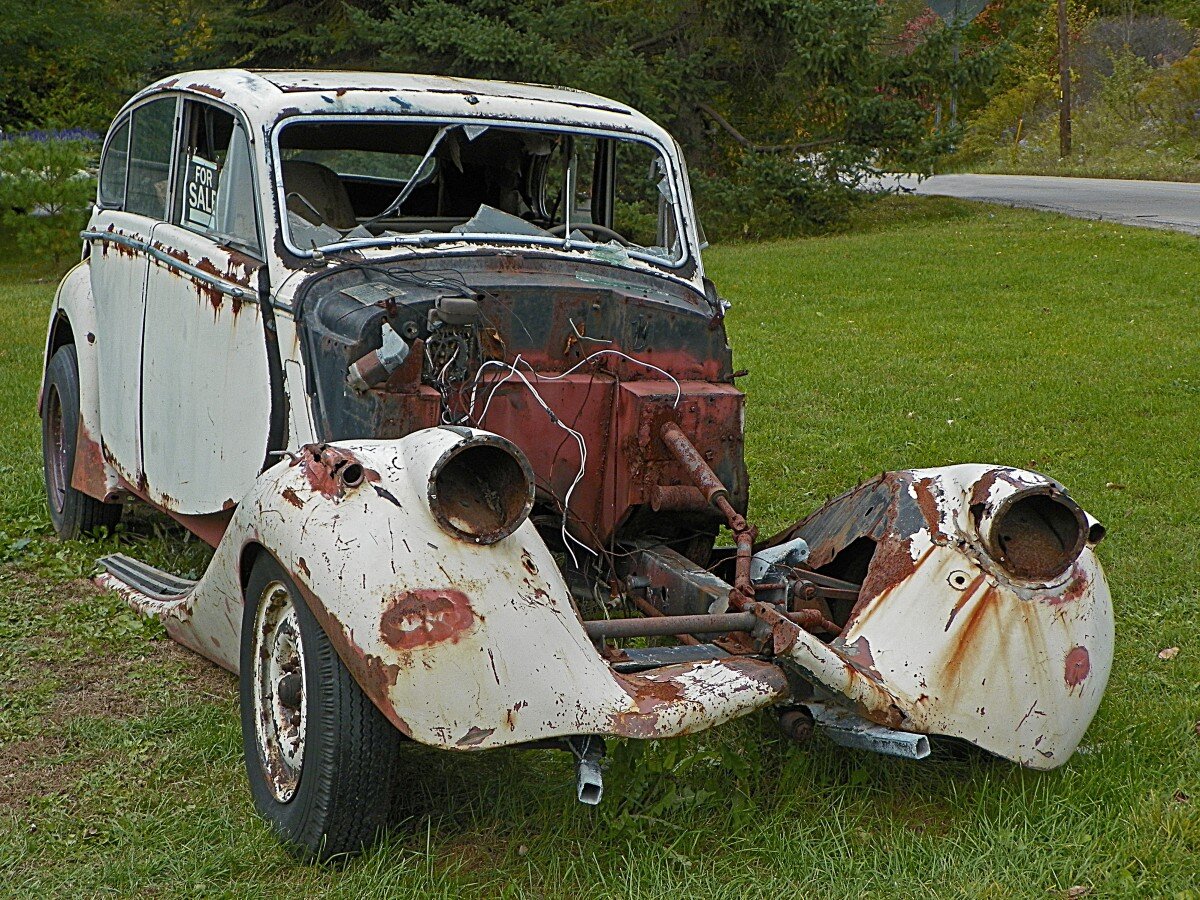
391	182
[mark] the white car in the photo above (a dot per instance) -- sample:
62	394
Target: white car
434	366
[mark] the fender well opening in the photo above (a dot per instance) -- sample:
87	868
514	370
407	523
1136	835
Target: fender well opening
246	562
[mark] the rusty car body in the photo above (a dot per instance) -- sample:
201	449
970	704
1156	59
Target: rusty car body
434	367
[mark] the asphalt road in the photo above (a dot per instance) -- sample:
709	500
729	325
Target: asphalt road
1149	204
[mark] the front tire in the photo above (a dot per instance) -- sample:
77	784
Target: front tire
72	513
319	756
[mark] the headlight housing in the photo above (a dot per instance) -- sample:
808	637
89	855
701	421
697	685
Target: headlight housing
481	489
1035	534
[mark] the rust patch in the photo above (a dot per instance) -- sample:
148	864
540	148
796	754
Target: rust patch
89	475
206	89
1075	588
1078	665
303	567
290	495
859	656
928	505
980	494
656	693
967	593
891	564
527	562
964	644
423	617
332	471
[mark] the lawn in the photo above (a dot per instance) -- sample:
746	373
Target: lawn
935	332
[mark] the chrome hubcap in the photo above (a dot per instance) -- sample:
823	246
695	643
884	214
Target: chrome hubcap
279	687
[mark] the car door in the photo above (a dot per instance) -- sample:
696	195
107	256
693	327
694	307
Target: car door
134	186
206	384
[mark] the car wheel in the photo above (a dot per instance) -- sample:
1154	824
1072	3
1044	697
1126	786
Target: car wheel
319	756
72	513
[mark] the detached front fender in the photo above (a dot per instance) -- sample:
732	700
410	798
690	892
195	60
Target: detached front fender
463	639
983	612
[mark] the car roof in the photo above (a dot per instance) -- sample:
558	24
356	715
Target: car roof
268	95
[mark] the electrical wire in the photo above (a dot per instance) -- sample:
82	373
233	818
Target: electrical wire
632	359
579	440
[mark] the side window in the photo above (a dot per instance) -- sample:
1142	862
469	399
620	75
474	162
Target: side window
114	167
216	195
150	158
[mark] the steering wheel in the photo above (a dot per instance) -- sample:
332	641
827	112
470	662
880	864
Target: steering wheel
599	230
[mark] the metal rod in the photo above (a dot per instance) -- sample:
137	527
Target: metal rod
651	610
689	457
654	626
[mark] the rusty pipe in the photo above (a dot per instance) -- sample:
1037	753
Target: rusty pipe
689	457
653	611
662	626
743	585
677	498
712	488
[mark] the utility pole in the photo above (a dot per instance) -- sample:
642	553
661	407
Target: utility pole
1064	82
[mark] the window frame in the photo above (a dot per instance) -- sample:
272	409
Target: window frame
175	210
122	121
126	115
688	258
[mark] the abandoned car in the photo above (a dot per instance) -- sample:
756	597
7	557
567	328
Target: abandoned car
434	366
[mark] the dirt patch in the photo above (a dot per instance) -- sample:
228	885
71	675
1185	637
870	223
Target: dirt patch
104	686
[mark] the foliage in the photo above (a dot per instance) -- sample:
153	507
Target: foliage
46	187
1133	114
74	62
1173	97
861	81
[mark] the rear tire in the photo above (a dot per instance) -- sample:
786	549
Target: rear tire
72	513
319	756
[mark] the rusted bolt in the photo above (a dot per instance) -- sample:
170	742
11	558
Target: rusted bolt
351	475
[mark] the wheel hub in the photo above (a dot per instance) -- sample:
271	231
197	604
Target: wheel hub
279	690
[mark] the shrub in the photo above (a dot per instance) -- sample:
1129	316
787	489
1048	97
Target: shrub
764	195
46	187
1173	97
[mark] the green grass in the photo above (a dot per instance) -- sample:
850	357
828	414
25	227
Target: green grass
943	332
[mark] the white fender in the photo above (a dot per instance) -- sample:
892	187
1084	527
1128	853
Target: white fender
92	475
463	645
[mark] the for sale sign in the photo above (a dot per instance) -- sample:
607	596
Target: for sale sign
199	192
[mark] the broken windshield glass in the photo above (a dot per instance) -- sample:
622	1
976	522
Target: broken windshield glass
389	181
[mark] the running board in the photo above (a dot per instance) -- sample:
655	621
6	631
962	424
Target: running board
150	591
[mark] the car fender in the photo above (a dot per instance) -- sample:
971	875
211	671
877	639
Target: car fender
74	308
462	645
945	639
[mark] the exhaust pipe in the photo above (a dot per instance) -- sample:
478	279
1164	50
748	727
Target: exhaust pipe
589	781
849	730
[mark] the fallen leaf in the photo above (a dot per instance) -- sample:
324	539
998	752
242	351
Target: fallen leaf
522	850
1168	653
1181	797
1079	890
1114	485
